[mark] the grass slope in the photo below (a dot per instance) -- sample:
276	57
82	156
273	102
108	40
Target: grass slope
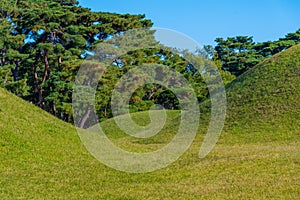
267	96
43	158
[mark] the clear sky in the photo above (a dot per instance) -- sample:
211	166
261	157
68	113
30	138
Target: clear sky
205	20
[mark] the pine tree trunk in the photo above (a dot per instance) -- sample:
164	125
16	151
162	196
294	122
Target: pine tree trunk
46	69
85	117
36	81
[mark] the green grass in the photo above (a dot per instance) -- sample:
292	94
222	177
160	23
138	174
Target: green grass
143	145
257	157
267	95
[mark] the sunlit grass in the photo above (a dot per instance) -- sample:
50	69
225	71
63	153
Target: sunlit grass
43	158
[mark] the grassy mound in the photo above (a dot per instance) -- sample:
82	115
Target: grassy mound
267	96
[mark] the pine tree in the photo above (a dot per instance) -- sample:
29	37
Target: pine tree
43	44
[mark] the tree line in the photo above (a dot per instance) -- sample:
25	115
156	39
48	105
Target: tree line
239	54
43	44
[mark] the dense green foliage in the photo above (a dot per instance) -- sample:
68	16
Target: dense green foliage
238	54
43	44
145	97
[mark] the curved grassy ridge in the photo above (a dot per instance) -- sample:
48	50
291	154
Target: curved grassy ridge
130	143
267	96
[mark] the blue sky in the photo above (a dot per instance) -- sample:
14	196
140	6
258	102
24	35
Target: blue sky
206	20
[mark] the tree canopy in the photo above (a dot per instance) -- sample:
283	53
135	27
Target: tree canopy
44	43
240	53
